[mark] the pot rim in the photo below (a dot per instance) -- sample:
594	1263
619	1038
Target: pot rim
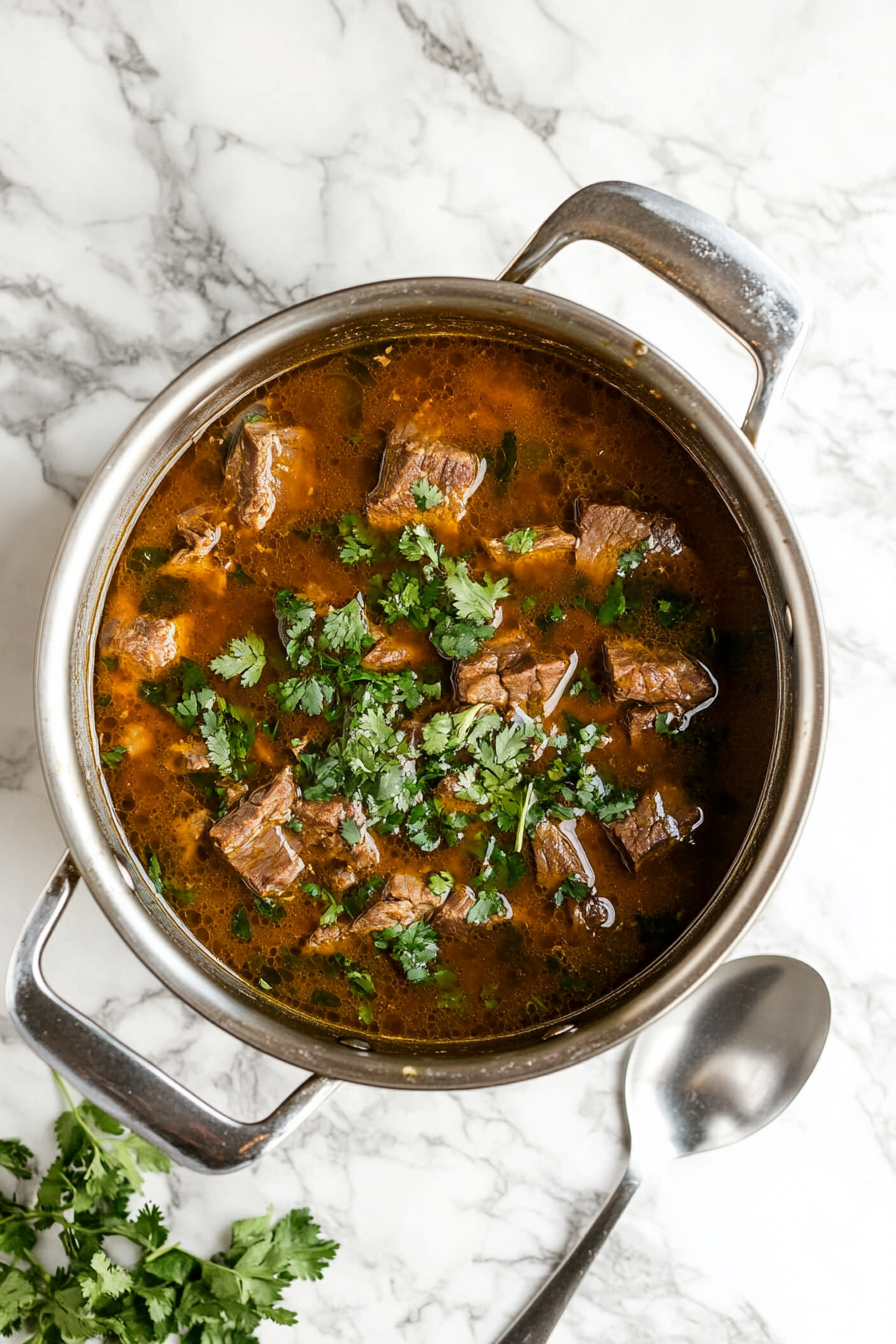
105	515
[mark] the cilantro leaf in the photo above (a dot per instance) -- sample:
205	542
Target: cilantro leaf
350	831
245	659
488	903
309	694
359	540
630	560
114	756
427	495
440	884
14	1156
240	926
345	627
613	605
418	543
412	948
520	542
472	600
573	888
295	616
672	608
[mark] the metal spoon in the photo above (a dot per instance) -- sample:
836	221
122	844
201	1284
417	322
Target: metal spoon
720	1066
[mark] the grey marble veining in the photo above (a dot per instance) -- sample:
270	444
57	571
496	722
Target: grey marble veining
169	174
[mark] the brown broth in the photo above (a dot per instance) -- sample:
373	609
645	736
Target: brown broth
577	438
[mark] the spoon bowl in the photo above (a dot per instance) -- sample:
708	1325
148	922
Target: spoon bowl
727	1060
717	1068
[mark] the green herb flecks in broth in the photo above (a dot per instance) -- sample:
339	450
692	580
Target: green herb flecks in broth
436	693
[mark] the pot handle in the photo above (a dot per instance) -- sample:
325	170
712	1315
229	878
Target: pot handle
114	1077
706	260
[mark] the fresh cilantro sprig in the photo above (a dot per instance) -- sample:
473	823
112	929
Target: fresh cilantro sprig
245	658
167	1291
295	615
359	541
427	494
574	888
521	541
630	560
412	948
114	756
346	627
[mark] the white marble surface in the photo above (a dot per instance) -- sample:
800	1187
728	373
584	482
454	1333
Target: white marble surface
172	172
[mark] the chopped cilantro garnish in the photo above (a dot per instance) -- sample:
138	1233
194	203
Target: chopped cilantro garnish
488	903
359	540
584	684
309	694
473	601
427	495
573	888
322	998
245	658
552	616
350	831
269	909
345	627
359	982
240	926
520	542
413	948
613	605
143	558
114	756
418	543
630	560
333	907
527	603
672	608
440	884
240	576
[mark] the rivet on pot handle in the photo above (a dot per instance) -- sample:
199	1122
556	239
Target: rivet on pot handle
705	259
121	1081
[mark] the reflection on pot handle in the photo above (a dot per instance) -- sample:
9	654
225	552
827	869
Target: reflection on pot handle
705	259
121	1081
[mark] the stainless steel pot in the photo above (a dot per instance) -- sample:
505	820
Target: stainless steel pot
715	267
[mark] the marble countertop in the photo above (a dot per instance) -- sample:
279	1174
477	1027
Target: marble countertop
169	174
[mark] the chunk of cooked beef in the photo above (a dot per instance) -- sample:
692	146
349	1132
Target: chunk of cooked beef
510	671
651	828
252	839
640	719
559	854
389	654
548	541
200	535
324	848
149	646
636	673
250	472
410	457
454	909
187	757
606	530
195	561
405	899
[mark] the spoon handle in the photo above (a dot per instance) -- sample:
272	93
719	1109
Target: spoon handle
536	1322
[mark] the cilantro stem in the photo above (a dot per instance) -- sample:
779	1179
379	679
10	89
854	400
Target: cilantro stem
524	812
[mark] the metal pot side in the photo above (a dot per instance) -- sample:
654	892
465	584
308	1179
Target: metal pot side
98	532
